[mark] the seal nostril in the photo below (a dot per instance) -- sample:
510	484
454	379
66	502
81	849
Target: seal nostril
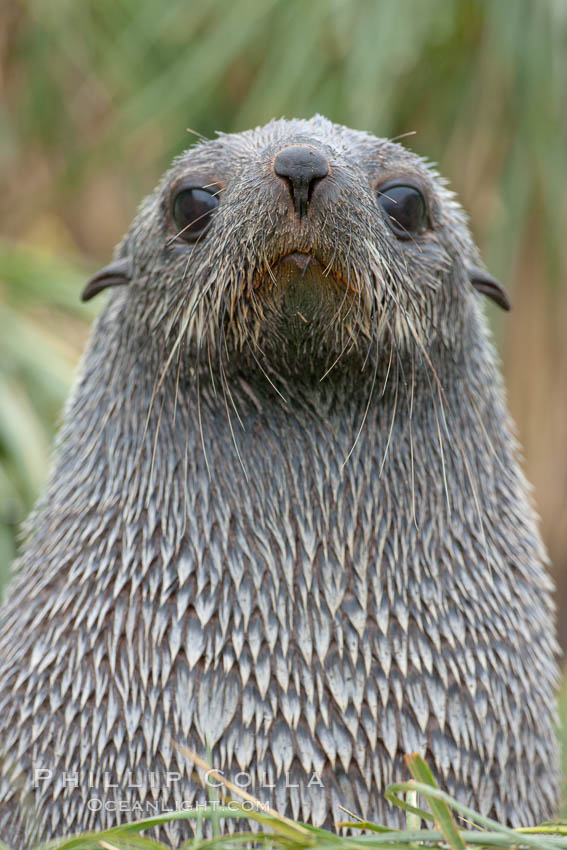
301	167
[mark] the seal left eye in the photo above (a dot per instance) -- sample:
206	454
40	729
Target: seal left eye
405	208
192	210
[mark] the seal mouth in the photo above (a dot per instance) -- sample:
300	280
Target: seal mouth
301	286
297	266
302	261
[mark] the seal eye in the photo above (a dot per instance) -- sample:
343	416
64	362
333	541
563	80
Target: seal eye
405	208
192	210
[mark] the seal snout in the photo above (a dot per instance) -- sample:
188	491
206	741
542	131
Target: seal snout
301	167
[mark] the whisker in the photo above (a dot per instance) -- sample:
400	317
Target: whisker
196	133
271	383
199	412
403	136
393	419
367	408
411	445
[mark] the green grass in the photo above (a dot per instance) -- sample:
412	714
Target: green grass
449	825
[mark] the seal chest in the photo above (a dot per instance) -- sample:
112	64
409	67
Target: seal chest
285	523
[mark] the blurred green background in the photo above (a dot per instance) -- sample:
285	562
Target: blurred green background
98	96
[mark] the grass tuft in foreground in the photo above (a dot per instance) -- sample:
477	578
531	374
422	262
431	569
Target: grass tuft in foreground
451	825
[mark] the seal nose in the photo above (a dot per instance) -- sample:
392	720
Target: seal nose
301	167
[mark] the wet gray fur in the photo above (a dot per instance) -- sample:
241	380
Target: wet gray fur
288	525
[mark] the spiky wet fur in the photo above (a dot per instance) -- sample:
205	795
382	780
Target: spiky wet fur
307	574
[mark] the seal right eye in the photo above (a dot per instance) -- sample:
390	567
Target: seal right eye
192	210
405	208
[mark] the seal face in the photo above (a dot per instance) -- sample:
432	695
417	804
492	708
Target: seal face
286	523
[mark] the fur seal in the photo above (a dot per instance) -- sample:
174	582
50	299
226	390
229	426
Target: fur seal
286	519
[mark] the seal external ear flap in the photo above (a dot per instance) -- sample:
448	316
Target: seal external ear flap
117	273
488	285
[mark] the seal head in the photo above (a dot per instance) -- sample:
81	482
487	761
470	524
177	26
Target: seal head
335	241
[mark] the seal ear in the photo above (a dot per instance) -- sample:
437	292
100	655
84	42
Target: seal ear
488	285
117	273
